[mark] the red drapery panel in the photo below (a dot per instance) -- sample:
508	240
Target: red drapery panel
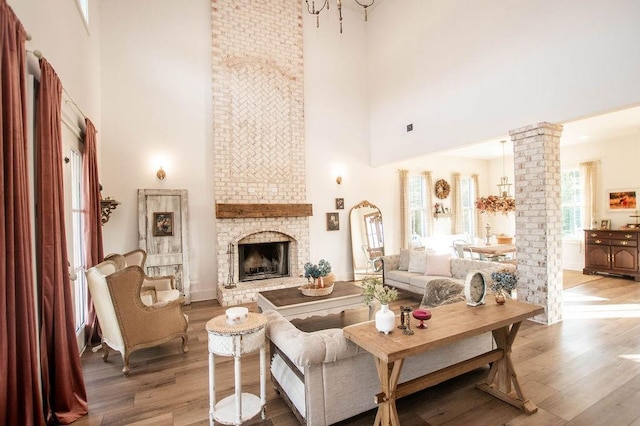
65	398
20	399
94	252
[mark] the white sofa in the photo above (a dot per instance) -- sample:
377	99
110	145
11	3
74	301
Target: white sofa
416	276
326	378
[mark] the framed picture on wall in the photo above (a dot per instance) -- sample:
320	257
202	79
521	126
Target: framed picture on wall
163	224
622	200
339	203
333	222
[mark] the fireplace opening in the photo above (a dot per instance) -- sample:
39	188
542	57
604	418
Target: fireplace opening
262	261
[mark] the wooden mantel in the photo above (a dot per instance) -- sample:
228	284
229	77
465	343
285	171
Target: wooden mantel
235	211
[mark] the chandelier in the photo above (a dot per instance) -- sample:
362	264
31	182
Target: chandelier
324	4
503	202
504	185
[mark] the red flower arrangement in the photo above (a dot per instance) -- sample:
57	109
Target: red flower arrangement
494	204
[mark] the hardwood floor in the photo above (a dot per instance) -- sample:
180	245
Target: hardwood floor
584	370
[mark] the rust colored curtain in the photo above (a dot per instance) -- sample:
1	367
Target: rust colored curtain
94	252
20	399
63	390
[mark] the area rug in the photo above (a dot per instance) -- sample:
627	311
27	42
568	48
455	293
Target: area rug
574	278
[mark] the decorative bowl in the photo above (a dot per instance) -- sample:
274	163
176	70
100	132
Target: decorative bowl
237	315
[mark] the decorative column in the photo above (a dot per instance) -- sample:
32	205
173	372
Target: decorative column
539	217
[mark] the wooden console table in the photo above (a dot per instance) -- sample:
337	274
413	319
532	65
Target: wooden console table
449	324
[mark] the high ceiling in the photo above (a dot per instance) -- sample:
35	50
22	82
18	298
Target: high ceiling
602	127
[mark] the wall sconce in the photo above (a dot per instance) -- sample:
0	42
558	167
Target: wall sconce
161	174
339	179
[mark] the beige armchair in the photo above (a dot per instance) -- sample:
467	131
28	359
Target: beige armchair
155	290
127	324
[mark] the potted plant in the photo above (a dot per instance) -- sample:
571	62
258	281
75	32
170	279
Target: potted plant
374	289
316	272
504	282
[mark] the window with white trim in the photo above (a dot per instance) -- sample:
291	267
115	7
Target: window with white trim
571	194
467	196
417	207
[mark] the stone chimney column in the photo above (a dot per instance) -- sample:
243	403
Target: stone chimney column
539	217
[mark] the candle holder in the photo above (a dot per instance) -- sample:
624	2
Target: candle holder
422	315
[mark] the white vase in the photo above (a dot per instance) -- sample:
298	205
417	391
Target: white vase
385	319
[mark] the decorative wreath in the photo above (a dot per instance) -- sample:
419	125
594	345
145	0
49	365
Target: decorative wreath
442	189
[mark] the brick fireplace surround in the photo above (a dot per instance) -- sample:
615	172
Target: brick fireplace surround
259	145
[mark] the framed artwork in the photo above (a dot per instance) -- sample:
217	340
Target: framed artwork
163	224
622	200
339	203
333	222
605	224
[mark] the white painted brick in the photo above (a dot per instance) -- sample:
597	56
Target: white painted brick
537	186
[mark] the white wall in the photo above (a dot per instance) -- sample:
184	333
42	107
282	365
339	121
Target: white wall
619	158
58	31
156	68
464	71
336	132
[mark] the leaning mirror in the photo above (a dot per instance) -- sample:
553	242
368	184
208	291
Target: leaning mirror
367	240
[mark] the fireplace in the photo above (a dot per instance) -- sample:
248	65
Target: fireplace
261	261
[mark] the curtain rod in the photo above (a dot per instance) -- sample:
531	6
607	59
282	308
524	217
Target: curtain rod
38	54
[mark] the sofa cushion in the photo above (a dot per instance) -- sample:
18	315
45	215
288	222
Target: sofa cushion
419	282
417	261
438	264
400	276
404	259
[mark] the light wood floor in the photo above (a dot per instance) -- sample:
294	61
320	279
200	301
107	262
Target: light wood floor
584	370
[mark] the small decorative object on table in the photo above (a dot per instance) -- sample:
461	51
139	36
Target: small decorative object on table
373	289
236	315
316	275
422	315
406	313
504	281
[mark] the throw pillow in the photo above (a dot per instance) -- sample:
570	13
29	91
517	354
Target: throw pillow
404	259
438	264
417	261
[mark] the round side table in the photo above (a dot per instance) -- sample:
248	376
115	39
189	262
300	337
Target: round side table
235	340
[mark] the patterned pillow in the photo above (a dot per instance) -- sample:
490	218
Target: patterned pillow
404	259
417	261
438	264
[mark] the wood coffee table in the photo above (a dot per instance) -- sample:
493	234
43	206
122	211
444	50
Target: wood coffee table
292	304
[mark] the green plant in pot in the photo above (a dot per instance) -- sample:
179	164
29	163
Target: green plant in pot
315	272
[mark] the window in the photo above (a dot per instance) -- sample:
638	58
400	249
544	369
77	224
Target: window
80	288
73	147
571	202
83	7
417	207
468	196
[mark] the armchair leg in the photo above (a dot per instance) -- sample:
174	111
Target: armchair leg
105	353
185	348
125	359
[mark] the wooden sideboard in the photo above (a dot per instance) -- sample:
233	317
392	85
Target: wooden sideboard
612	252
